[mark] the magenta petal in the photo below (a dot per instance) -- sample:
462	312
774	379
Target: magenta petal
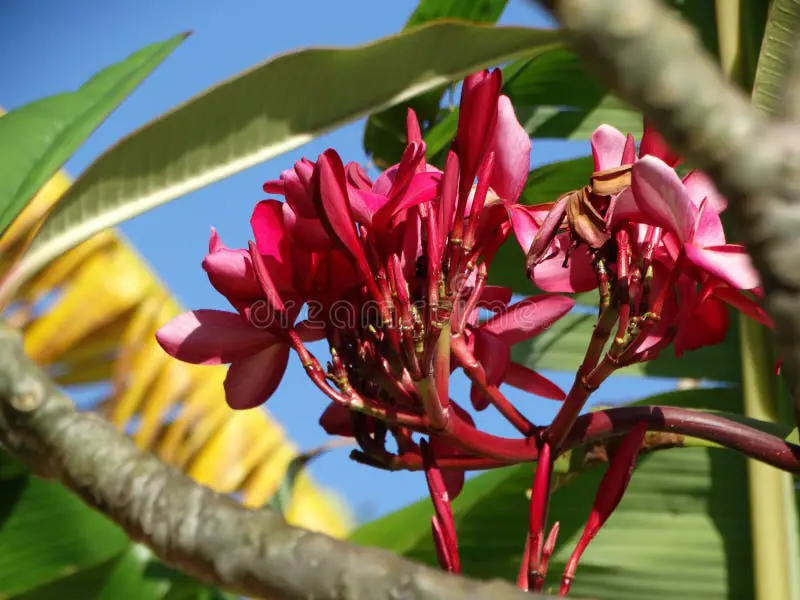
335	210
310	330
653	144
528	318
660	195
730	263
525	379
212	337
608	145
231	273
365	204
708	227
512	153
214	243
422	188
744	304
495	298
413	132
706	325
357	177
251	382
578	276
272	241
525	222
310	234
494	355
477	119
453	479
700	187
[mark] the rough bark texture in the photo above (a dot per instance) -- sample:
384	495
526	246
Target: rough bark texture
655	61
190	526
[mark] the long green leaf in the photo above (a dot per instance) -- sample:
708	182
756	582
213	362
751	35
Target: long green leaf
264	112
385	131
783	23
54	546
680	531
563	345
36	139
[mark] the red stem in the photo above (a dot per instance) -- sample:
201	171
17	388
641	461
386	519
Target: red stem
540	499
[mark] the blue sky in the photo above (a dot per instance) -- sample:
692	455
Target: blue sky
50	47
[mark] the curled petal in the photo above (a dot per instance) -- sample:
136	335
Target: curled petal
653	144
231	273
547	233
528	318
272	241
706	325
494	355
708	227
512	153
744	304
525	222
495	298
214	242
413	132
250	382
578	276
309	233
608	145
730	263
660	195
335	211
212	337
700	187
357	177
477	119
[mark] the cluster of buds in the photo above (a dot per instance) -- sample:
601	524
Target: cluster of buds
393	275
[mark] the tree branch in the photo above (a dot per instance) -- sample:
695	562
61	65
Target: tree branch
654	60
204	533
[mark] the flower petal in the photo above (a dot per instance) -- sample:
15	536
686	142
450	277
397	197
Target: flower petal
744	304
653	144
272	241
730	263
495	298
334	208
495	355
528	318
512	153
212	337
708	227
660	195
477	119
231	273
525	379
251	382
310	234
706	325
578	276
608	144
700	187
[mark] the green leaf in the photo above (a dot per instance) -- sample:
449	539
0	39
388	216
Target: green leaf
563	345
783	23
680	531
38	138
385	131
47	534
476	11
54	546
264	112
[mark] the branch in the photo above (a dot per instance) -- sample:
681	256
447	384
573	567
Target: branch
204	533
655	61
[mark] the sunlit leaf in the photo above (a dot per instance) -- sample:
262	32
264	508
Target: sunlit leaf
36	139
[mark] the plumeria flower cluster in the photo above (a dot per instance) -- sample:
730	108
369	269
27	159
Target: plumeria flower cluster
392	274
